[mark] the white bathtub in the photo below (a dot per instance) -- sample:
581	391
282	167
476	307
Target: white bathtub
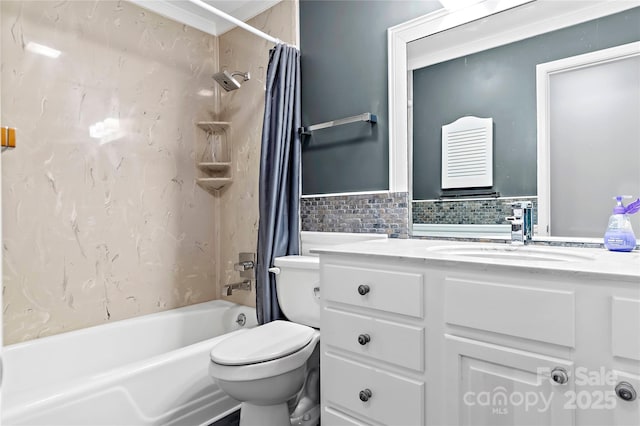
150	370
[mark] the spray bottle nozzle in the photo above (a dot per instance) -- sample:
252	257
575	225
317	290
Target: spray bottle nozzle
619	198
633	207
620	208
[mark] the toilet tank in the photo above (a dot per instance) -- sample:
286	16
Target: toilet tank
297	284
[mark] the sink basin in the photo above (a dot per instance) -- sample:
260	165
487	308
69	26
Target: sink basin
509	252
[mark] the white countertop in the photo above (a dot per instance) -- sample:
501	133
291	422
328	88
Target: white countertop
615	265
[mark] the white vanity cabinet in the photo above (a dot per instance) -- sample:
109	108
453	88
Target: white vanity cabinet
373	345
497	385
527	346
509	347
442	342
624	349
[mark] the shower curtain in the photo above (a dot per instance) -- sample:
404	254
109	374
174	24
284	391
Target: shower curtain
279	225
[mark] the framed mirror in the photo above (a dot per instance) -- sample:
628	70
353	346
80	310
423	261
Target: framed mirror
469	42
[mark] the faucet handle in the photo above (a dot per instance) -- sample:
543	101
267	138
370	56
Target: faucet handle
244	265
521	205
520	209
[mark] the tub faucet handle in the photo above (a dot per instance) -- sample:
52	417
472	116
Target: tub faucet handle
244	265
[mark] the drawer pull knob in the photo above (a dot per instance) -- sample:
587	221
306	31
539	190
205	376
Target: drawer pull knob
363	339
625	391
559	375
363	289
365	394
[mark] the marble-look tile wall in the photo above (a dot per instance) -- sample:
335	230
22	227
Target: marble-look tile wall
244	108
102	220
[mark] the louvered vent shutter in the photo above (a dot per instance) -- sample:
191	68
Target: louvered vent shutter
467	153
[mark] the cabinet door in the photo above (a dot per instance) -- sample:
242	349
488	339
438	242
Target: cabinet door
493	385
625	348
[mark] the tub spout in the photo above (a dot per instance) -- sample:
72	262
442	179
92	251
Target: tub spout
244	285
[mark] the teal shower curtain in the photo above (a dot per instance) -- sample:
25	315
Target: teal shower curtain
279	195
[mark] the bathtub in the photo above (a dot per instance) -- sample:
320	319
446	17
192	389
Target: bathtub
150	370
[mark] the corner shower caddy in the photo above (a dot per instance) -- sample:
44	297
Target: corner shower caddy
216	156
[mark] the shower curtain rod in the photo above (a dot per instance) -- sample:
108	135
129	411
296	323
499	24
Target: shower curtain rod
236	21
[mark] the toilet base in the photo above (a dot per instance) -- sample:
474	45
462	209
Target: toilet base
264	415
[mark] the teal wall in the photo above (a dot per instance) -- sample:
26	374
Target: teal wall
344	73
500	83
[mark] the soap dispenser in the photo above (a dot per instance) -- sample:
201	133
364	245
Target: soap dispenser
619	235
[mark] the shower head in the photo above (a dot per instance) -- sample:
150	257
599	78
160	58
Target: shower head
227	81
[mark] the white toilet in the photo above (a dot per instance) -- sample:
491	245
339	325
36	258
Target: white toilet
266	366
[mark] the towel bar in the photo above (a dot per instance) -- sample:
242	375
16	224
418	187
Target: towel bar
367	116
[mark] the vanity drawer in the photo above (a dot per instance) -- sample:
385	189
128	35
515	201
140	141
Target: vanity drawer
532	313
394	400
390	291
394	343
334	418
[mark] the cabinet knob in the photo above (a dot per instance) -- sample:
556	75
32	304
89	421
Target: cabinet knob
363	339
365	394
559	375
363	289
625	391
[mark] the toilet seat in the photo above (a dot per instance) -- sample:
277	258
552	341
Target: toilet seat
265	369
268	342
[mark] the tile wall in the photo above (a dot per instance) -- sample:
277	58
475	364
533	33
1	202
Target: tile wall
102	219
484	211
244	108
383	213
101	215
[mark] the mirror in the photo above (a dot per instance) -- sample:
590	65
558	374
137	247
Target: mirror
481	61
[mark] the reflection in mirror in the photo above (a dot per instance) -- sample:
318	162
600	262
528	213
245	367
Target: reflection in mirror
501	83
588	139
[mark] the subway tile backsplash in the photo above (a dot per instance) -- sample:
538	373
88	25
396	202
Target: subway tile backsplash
388	213
484	211
384	213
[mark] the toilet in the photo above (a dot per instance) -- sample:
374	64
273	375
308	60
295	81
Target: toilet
267	366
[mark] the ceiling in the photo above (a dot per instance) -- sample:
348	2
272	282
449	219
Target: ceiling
185	12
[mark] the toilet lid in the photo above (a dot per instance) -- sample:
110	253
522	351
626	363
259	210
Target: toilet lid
264	343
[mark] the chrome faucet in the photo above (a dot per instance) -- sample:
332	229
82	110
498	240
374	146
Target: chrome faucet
521	222
245	265
244	285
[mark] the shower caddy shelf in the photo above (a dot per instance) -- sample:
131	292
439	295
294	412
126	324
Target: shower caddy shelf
219	166
219	172
213	183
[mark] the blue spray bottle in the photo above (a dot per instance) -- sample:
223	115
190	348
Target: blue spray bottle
619	235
